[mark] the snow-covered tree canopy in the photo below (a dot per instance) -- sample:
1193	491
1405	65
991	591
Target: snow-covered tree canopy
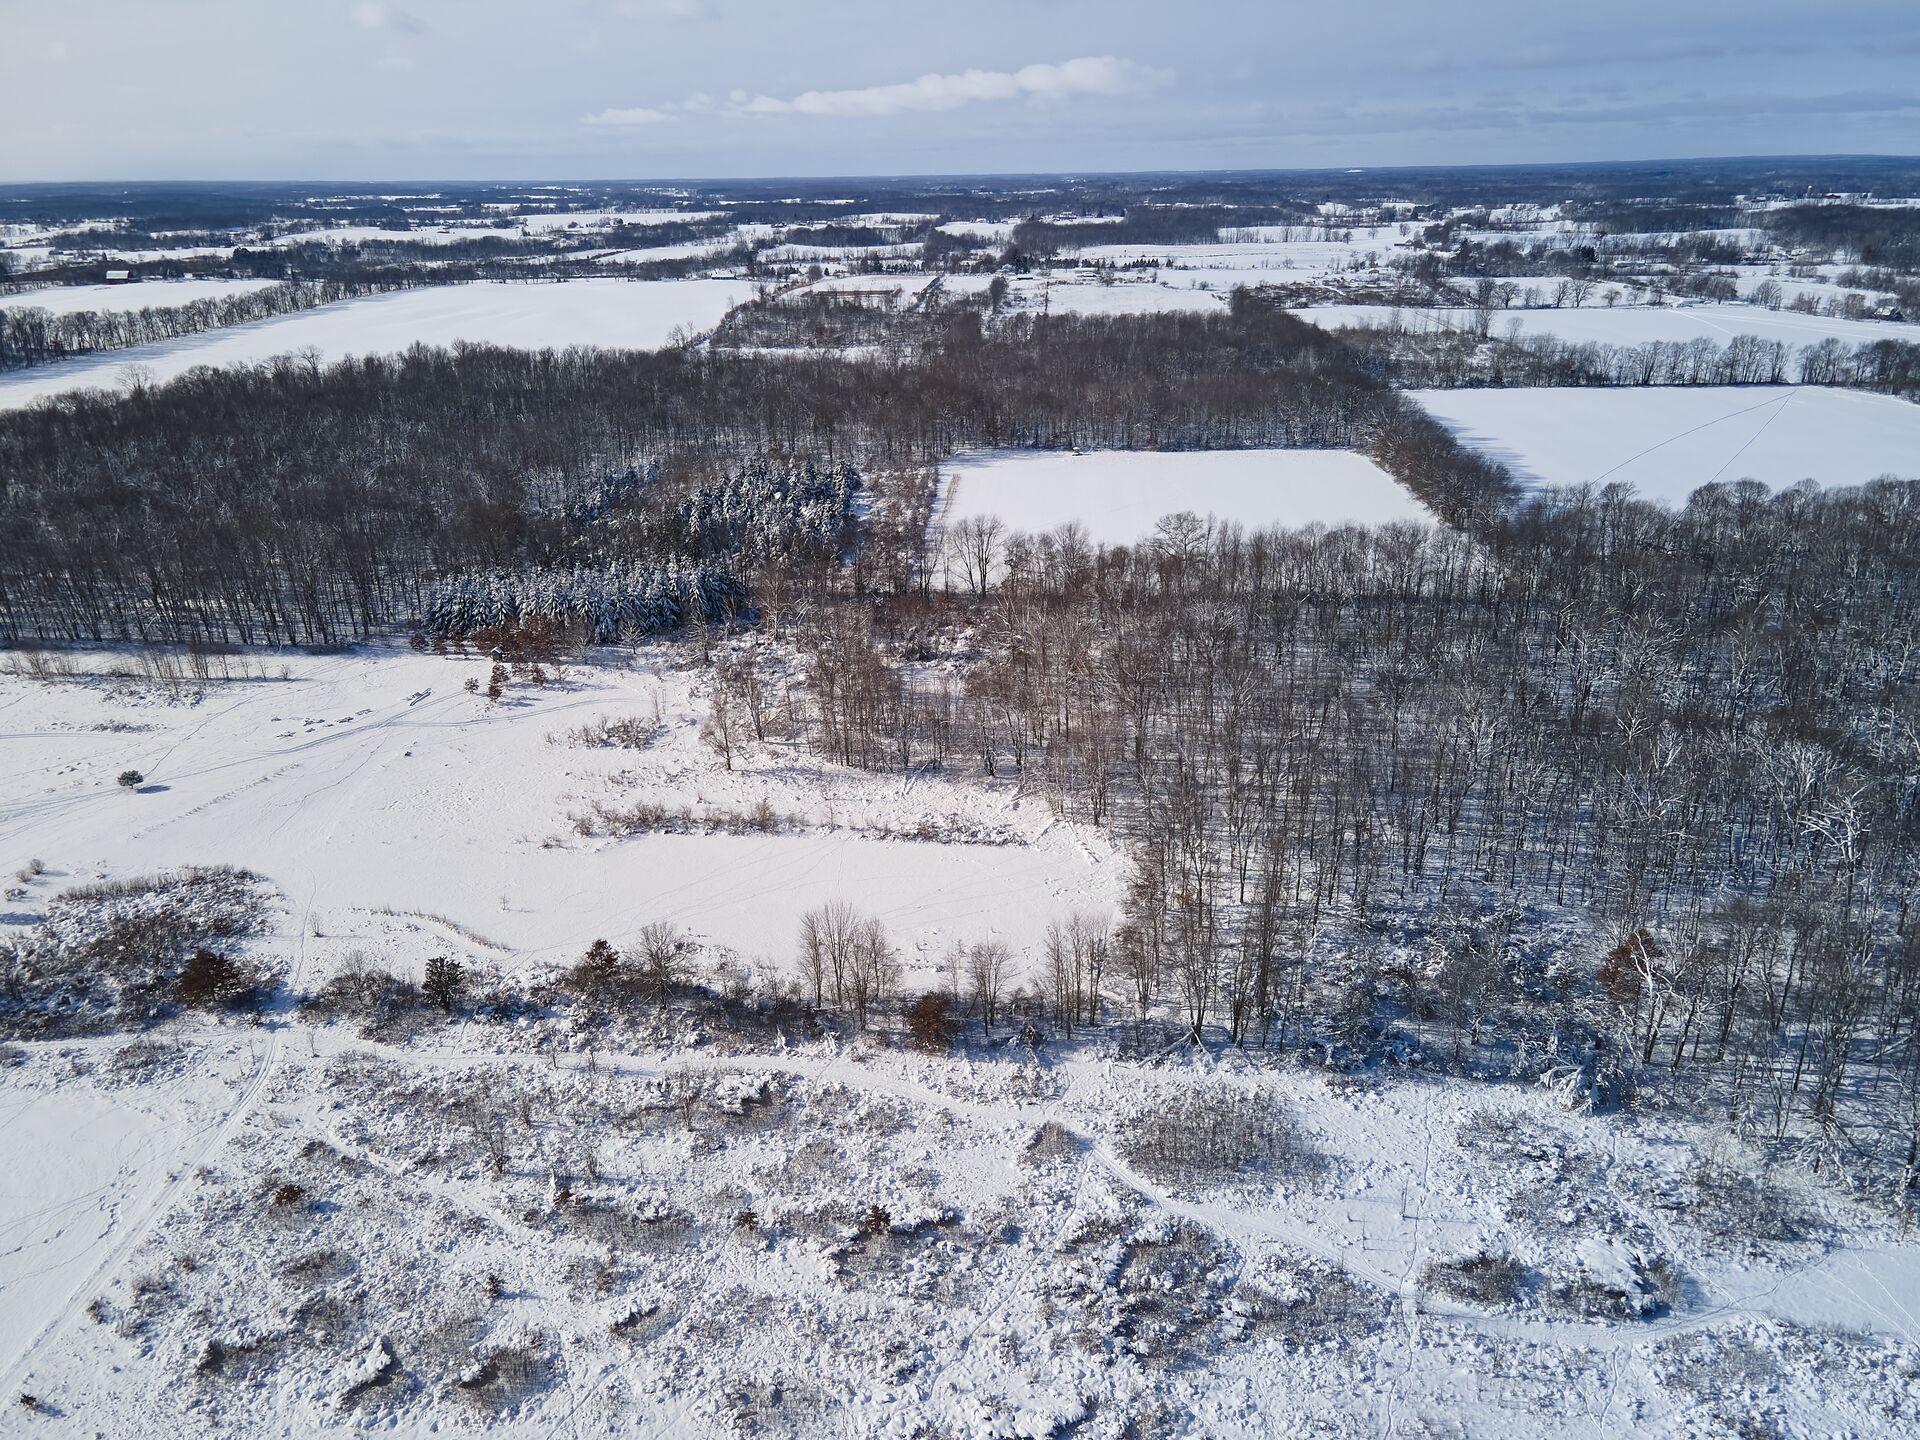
612	601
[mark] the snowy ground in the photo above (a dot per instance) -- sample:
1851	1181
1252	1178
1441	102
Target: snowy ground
376	782
1629	324
145	295
461	1234
1667	442
298	1226
1278	260
1119	494
638	314
1127	298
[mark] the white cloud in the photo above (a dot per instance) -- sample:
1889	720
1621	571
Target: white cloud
661	9
637	115
374	16
1089	75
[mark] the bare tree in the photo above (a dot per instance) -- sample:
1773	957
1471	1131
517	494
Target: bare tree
659	958
975	542
988	962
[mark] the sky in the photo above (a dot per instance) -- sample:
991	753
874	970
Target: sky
663	89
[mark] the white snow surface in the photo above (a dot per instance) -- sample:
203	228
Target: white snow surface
143	295
1118	495
375	780
152	1283
1667	442
1128	298
1628	324
632	314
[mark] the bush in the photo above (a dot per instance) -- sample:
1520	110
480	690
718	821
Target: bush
597	973
1214	1133
1052	1141
1487	1280
930	1020
210	979
445	982
130	779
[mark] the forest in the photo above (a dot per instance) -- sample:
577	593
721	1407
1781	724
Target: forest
296	504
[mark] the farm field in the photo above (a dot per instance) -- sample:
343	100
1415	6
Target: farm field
147	294
1668	442
639	314
1117	495
1128	297
1629	324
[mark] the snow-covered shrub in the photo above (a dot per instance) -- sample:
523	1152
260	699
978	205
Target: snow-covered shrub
108	954
1304	1300
376	998
1052	1141
141	1062
1214	1133
1487	1280
1736	1207
628	732
931	1022
1613	1280
501	1377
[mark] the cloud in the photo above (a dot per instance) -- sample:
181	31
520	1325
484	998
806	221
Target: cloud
636	115
1089	75
661	9
374	16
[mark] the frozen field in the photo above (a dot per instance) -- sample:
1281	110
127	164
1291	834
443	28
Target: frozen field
375	781
613	313
1630	324
145	295
1668	442
1128	297
1118	495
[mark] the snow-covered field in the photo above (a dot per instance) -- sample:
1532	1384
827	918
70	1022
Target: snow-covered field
376	781
1668	442
1127	298
615	313
1629	324
1118	495
146	295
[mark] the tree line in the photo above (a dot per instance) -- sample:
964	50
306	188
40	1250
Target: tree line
33	335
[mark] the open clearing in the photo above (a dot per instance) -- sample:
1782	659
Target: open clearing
1628	324
375	781
1668	442
630	314
146	295
1118	495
